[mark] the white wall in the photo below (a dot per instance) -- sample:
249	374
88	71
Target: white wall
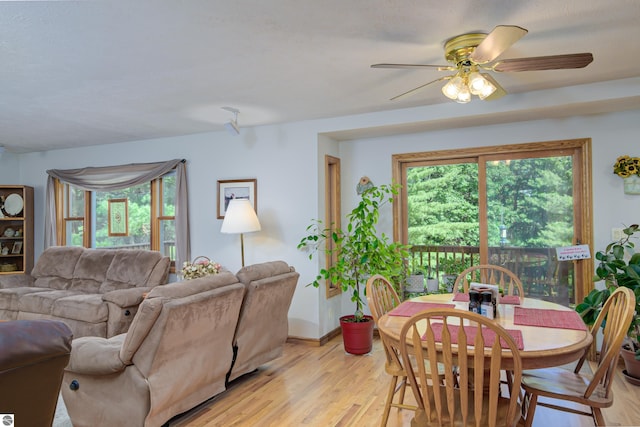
288	162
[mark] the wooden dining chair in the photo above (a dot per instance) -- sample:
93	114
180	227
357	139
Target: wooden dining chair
490	275
382	298
592	390
478	347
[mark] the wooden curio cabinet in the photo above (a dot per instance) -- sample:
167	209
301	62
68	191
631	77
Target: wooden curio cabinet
16	229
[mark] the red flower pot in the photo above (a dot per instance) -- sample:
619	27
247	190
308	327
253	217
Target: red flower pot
632	366
357	336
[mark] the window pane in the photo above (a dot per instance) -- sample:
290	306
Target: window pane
529	214
76	203
169	194
168	239
74	232
443	205
139	218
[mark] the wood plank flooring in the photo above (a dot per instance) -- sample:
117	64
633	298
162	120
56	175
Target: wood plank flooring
324	386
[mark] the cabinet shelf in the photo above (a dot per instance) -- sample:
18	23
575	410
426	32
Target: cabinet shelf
19	259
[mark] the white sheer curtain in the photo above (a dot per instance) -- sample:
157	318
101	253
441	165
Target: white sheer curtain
109	178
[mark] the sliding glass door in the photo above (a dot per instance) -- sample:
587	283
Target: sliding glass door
510	206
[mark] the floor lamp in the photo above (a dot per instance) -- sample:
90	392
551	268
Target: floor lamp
240	218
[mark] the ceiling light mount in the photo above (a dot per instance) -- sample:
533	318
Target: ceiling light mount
232	125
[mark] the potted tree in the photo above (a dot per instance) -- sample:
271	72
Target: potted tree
361	252
619	265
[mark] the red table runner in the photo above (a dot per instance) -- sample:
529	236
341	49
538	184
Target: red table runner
488	335
510	299
409	308
461	297
563	319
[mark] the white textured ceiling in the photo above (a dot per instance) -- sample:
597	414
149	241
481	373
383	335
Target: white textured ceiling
75	73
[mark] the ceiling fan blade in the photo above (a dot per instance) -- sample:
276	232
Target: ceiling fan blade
499	93
414	90
555	62
414	66
496	42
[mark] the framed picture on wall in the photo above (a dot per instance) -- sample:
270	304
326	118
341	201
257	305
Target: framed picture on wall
230	189
17	248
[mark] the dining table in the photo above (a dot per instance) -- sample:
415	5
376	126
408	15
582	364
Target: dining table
548	334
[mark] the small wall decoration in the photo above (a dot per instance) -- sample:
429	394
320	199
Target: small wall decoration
628	168
118	217
363	185
236	189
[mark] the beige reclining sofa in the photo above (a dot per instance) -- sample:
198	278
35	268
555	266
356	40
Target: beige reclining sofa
95	292
186	339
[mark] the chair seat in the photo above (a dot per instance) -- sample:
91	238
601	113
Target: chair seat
566	385
503	405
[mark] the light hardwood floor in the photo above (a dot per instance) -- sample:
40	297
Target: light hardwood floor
324	386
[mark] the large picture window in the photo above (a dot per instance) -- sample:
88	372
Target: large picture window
93	217
145	217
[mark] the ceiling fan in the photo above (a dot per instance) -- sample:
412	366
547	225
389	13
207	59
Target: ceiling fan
472	53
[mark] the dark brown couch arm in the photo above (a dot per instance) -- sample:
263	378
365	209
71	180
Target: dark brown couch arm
34	354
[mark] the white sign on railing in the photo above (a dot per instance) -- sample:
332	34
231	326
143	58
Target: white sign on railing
570	253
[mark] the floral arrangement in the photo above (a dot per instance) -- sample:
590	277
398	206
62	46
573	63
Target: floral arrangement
626	166
199	267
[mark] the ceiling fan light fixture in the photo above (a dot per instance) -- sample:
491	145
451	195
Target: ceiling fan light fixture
487	90
476	83
464	95
453	87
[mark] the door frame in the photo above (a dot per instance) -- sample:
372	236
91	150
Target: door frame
579	149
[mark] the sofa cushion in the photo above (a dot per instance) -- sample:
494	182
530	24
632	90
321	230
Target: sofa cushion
130	269
41	302
55	267
91	270
9	297
86	307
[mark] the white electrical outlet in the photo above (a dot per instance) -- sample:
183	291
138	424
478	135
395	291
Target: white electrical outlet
616	234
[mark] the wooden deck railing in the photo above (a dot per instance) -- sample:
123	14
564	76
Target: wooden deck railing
538	269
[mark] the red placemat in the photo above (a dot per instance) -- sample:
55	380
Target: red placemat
510	299
461	297
488	335
409	308
562	319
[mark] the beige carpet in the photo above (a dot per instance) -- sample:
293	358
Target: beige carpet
61	418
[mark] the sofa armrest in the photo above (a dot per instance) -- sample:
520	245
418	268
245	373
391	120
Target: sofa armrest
126	297
96	355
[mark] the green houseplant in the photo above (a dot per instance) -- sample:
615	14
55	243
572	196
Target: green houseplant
450	268
618	265
361	252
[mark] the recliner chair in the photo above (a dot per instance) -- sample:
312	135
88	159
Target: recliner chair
33	355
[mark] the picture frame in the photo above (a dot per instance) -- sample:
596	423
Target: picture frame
229	189
118	218
17	248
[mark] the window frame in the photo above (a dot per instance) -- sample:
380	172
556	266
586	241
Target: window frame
62	208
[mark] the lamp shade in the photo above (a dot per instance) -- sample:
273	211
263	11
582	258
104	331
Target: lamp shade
240	218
